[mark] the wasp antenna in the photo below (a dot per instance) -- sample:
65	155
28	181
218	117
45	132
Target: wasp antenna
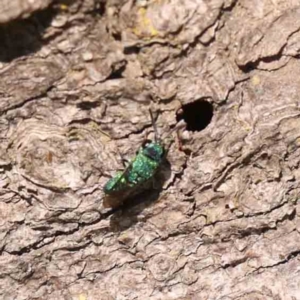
154	126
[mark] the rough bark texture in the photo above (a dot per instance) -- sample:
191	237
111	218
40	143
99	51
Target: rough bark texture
77	80
13	9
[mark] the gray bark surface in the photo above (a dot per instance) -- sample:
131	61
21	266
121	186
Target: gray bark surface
77	81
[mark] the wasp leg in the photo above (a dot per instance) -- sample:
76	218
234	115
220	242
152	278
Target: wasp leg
178	141
185	149
125	161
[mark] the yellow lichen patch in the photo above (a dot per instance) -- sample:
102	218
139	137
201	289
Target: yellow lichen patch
245	125
124	238
174	253
144	26
255	80
63	6
82	297
298	141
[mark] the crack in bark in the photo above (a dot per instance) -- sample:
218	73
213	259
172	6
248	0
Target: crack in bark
31	99
242	233
235	263
35	245
293	255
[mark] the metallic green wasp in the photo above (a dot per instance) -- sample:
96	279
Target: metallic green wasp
137	174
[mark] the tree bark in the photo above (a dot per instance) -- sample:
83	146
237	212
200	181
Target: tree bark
77	81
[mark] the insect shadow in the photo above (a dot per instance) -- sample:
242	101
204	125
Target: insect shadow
130	212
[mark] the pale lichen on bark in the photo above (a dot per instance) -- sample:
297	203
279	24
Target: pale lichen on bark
75	100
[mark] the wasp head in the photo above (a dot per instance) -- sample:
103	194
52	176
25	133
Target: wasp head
154	150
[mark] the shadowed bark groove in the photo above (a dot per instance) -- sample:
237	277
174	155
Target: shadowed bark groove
77	81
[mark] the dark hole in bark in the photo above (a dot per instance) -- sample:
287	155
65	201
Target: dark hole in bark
100	7
117	73
197	114
117	36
